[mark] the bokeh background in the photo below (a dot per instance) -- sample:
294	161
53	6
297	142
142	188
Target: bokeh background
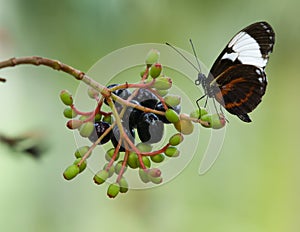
253	186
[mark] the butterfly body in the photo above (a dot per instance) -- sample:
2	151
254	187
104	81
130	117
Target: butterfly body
237	79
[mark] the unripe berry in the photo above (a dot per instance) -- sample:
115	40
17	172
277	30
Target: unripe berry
152	57
81	151
162	93
113	190
176	139
146	162
98	117
101	177
143	175
71	172
109	154
206	118
82	166
183	126
157	158
86	129
162	83
172	152
155	70
143	147
66	97
198	113
123	185
217	121
171	116
69	113
132	160
74	124
142	73
154	172
111	170
156	180
172	100
107	119
118	167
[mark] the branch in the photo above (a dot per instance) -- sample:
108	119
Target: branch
56	65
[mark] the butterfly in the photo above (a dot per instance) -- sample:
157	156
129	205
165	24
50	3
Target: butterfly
237	79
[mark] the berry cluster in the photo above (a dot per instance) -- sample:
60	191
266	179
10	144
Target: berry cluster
139	113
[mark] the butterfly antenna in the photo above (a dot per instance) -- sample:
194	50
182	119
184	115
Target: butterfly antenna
183	56
195	54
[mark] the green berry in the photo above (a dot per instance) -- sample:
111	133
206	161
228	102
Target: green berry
172	152
157	158
71	171
176	139
66	97
142	73
123	185
118	167
198	113
152	57
132	160
185	127
206	118
217	121
82	166
92	93
156	180
101	177
83	117
81	151
86	129
109	154
143	175
154	172
162	83
113	190
143	147
172	100
107	119
162	93
155	70
98	117
74	124
146	162
69	113
111	170
171	116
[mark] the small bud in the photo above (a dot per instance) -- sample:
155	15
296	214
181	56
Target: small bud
142	73
119	166
156	180
109	154
176	139
113	190
74	124
132	160
162	93
107	119
66	97
217	121
157	158
86	129
152	57
92	93
71	172
154	172
155	70
162	83
82	166
98	117
198	114
143	147
101	177
183	126
146	162
171	116
69	113
172	100
111	170
81	151
123	185
143	175
172	152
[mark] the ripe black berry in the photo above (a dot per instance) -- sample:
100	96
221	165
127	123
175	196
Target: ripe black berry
150	129
116	136
131	115
122	93
99	129
143	95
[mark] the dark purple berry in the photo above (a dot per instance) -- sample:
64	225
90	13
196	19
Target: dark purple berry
143	95
150	129
150	103
99	129
116	136
132	115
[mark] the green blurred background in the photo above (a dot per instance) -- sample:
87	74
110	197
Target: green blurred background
254	185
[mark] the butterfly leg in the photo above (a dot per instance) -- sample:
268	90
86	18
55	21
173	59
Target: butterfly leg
197	102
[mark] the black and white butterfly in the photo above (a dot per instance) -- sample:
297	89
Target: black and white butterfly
237	79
